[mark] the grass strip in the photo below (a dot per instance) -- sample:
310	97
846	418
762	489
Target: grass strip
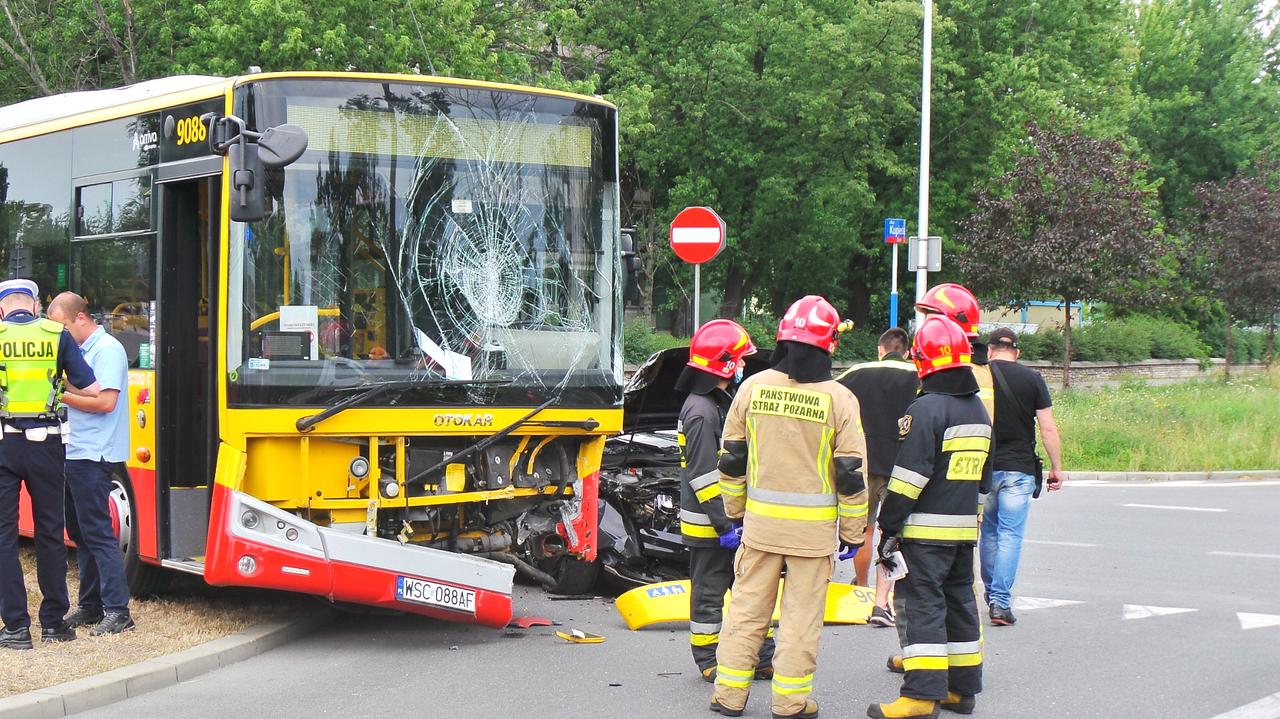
1204	425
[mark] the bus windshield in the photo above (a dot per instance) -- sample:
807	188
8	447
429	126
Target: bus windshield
430	232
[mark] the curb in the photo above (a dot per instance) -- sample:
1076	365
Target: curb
1234	475
164	671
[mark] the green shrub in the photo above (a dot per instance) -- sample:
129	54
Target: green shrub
1247	345
1045	344
1168	339
1114	341
639	340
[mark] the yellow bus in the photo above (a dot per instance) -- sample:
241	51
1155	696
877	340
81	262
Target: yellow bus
373	323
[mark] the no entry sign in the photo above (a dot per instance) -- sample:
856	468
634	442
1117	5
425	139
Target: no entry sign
697	234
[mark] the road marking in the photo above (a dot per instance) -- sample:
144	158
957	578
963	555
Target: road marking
1257	621
1174	506
1251	555
1028	603
1142	611
1057	544
1264	708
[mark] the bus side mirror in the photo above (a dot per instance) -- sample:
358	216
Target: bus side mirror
248	200
630	266
282	145
249	154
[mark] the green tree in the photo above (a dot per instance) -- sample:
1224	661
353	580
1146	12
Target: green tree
1206	89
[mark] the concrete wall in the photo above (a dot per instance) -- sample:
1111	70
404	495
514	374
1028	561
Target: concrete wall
1154	371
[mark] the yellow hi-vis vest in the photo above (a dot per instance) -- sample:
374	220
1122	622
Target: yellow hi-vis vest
29	383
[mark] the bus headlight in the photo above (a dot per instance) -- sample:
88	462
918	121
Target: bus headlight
390	489
249	519
247	565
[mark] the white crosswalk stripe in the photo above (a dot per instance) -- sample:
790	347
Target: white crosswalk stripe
1029	603
1257	621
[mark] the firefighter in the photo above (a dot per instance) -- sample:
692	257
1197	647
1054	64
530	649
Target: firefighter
961	306
791	467
931	512
716	356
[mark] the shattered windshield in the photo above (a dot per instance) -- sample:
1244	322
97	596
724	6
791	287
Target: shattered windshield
429	233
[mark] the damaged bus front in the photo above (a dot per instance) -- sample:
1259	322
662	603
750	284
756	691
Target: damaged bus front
420	343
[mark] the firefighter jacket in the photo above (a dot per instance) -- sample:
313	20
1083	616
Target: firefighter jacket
941	468
986	385
792	465
30	384
702	517
884	390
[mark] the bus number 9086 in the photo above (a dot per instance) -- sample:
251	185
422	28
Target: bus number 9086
190	129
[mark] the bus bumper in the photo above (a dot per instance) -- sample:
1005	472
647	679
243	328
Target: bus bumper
253	544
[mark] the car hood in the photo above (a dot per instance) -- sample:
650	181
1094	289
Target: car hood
650	399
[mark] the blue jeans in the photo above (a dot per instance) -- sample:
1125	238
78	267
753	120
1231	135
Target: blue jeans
1003	521
102	580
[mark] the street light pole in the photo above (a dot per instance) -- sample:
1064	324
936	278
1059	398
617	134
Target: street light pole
922	275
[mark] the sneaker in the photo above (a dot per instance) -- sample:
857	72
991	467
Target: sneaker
881	617
15	638
60	632
1002	616
113	623
84	617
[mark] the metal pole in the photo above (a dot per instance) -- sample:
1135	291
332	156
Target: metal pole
697	296
893	292
922	274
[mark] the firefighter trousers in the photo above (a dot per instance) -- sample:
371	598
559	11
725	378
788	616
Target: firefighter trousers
938	623
710	576
755	594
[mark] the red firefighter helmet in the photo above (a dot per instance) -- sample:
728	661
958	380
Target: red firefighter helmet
813	321
954	301
718	348
940	344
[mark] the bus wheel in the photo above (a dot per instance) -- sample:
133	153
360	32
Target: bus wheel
144	579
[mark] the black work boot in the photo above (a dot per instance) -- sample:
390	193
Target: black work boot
15	638
959	703
113	623
84	617
60	632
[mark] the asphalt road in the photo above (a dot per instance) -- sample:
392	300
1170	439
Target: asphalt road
1098	553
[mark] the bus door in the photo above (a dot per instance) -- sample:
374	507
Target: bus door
186	396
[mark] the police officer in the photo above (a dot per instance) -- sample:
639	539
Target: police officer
38	359
716	356
931	511
791	465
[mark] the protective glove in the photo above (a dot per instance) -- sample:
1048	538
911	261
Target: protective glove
848	551
888	545
731	539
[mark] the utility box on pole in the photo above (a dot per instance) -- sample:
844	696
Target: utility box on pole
931	260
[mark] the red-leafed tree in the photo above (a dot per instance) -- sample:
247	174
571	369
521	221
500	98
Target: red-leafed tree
1072	220
1235	248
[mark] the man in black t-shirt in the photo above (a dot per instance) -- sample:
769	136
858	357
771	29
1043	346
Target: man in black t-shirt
1022	401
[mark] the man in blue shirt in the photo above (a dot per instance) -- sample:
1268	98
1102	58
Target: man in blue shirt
99	444
34	352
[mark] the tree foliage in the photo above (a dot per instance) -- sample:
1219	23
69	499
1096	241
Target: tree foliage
1072	221
797	120
1237	255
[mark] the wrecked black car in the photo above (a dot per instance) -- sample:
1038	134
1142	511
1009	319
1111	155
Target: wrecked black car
640	478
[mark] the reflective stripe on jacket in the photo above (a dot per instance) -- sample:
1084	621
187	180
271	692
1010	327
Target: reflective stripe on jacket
942	463
29	357
702	516
791	465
